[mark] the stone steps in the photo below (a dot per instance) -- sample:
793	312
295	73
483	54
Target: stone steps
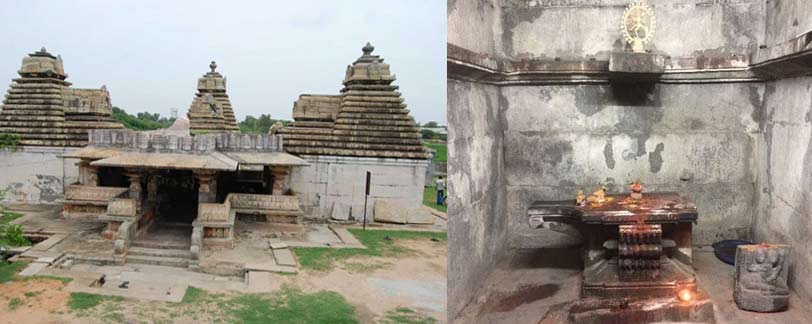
161	261
170	245
170	253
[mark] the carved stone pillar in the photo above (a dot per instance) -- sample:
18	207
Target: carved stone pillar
207	193
135	185
280	174
88	174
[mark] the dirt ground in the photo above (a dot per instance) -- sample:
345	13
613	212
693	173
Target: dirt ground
373	285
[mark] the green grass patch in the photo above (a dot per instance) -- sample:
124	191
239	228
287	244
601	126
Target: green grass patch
7	216
430	199
14	303
323	259
30	294
292	306
8	271
81	301
193	295
403	315
64	280
441	151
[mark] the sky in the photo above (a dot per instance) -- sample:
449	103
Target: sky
150	54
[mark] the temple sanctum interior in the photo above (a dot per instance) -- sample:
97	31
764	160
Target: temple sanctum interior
630	161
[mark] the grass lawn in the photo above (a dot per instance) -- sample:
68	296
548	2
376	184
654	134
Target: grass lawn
441	150
403	315
430	199
323	259
8	216
80	300
8	271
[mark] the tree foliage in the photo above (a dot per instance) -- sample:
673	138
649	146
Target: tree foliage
142	121
9	141
261	125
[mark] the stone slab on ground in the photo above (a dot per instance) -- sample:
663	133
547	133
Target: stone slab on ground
278	245
34	254
284	257
270	267
49	242
258	281
399	213
437	213
33	269
345	235
136	289
14	249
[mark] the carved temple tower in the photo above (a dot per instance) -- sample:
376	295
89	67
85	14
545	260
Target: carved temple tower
211	109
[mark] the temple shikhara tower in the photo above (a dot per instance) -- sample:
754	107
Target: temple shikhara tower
365	128
211	110
43	110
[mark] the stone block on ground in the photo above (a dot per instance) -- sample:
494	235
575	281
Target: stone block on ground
399	213
340	212
33	269
761	277
49	242
259	281
284	257
345	236
278	245
269	267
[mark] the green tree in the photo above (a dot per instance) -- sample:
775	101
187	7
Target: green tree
430	124
142	121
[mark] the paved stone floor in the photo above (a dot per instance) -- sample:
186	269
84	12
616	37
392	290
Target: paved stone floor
534	280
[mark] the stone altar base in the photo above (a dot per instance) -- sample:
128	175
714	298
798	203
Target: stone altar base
671	309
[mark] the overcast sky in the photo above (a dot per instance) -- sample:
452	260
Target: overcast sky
150	53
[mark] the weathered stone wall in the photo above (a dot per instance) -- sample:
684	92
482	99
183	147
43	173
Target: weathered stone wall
477	228
785	175
331	185
472	25
696	139
787	19
36	174
578	29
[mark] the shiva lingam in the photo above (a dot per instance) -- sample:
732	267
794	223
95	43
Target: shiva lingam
636	247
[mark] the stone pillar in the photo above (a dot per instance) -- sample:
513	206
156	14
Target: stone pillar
88	174
152	188
135	186
207	193
280	174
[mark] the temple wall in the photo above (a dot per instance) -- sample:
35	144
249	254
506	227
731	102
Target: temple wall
577	29
476	191
36	174
331	185
695	139
787	19
478	231
785	177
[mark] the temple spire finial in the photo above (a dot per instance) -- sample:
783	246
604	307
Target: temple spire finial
368	48
213	66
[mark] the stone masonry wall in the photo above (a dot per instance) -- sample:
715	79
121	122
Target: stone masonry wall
579	29
696	139
785	175
36	174
331	185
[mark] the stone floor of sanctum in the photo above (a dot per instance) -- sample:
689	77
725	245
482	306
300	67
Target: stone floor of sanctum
525	288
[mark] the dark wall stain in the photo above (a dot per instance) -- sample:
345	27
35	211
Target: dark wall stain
608	154
655	159
553	153
514	14
695	124
756	101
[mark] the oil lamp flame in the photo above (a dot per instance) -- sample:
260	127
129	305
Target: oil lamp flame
685	295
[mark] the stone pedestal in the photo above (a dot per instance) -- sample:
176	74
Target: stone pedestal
761	277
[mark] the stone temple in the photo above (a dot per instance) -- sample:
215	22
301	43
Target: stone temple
549	97
211	110
51	118
364	128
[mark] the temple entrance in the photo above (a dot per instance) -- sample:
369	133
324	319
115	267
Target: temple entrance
177	191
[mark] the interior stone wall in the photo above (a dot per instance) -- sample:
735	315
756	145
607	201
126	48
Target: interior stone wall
578	29
787	19
331	185
36	174
695	139
785	175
